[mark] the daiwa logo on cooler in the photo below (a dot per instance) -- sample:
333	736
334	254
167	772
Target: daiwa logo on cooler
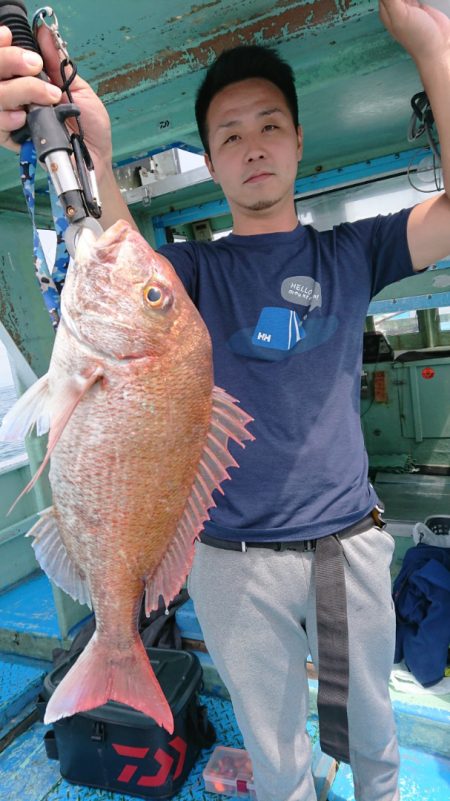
165	761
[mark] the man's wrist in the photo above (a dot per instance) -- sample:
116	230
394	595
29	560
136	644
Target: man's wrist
114	206
104	171
434	68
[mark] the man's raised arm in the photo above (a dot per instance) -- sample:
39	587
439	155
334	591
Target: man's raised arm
425	33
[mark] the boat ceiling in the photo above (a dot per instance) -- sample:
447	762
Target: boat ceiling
146	59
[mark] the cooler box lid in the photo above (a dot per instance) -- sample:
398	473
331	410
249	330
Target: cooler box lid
178	672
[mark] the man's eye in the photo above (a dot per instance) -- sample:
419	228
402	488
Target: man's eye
270	127
232	138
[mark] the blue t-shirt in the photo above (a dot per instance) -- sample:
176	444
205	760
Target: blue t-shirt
286	314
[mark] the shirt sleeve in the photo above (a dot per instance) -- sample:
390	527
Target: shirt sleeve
391	258
183	259
377	248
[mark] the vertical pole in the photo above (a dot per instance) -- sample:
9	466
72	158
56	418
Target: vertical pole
429	327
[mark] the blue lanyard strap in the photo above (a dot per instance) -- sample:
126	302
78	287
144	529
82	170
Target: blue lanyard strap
50	282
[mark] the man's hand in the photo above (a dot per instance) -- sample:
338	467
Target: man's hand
19	87
423	31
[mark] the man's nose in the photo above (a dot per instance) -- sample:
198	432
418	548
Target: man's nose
255	153
254	149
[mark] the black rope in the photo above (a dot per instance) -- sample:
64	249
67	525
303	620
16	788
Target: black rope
81	153
422	122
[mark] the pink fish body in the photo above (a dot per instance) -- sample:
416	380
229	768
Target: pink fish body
138	442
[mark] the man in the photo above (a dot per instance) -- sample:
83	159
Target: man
284	305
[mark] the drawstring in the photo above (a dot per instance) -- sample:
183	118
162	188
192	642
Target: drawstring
51	282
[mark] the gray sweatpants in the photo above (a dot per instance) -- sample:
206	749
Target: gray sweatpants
257	613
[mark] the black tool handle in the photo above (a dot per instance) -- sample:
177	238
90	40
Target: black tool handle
45	124
14	16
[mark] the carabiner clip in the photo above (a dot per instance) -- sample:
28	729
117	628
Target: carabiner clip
40	18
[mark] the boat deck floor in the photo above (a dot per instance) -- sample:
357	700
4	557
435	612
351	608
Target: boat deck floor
26	774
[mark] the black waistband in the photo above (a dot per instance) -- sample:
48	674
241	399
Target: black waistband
299	545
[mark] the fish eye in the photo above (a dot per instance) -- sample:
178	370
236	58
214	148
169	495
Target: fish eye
154	296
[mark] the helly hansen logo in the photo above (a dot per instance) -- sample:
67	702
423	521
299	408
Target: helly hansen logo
165	760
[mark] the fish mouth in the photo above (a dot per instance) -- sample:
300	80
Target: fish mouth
114	235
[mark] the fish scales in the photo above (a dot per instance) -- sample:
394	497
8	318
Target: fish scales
132	411
129	476
126	465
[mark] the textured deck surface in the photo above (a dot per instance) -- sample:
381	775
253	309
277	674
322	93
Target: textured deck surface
423	777
20	681
27	775
29	607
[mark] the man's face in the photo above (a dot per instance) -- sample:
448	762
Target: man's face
255	147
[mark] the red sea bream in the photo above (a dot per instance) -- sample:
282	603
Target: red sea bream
138	442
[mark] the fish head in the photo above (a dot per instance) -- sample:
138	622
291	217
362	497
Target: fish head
124	300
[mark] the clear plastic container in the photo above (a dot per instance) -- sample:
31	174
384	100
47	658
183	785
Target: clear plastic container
229	772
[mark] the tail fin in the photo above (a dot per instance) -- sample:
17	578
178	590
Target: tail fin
100	675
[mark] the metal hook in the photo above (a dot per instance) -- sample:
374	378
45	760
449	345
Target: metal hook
40	18
40	15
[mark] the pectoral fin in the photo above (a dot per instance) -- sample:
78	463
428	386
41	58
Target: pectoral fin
50	413
31	409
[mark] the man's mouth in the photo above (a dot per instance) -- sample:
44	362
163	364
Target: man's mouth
257	177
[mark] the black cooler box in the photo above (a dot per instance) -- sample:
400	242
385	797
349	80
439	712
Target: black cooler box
115	747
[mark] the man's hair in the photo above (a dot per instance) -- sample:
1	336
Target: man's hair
239	64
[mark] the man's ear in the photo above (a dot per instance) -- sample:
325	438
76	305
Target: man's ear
300	142
210	167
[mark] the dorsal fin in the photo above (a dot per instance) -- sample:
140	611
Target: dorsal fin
228	421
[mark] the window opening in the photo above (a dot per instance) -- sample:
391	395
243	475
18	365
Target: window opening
360	201
397	323
444	318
